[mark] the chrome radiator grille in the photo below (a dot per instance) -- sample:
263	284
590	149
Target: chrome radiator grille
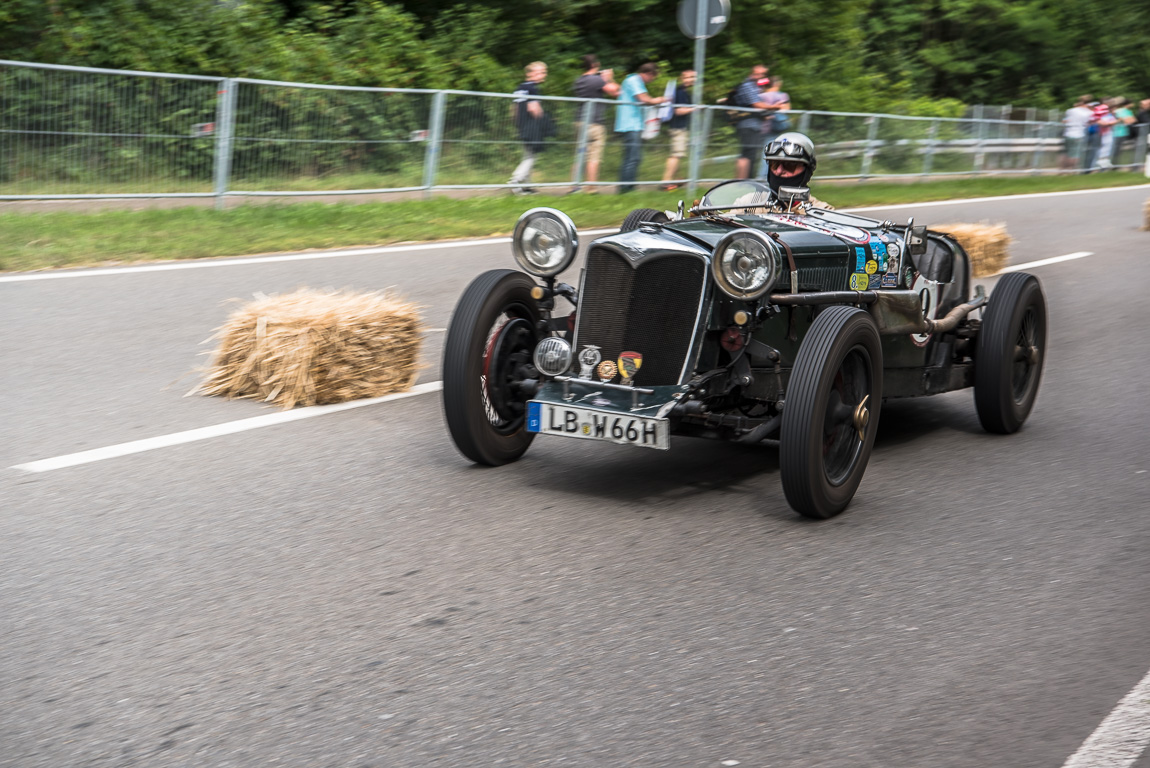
651	310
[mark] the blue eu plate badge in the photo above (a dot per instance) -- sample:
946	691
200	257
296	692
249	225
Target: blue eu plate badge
534	416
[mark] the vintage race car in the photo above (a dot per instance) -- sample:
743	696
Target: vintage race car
734	322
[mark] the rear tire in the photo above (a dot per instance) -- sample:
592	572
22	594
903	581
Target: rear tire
487	351
1010	353
641	216
834	393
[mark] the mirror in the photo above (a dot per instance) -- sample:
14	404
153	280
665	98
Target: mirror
794	195
916	240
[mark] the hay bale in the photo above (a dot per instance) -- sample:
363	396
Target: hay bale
988	245
1146	214
315	347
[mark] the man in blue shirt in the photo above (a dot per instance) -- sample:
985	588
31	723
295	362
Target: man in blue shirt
629	121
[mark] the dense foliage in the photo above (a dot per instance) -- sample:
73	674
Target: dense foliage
916	56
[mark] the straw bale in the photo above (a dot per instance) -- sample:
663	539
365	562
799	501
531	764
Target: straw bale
1146	215
988	245
315	347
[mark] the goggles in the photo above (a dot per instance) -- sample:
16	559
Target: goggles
785	147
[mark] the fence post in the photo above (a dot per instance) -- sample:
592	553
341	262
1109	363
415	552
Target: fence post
225	124
1140	149
928	156
1036	157
979	153
581	145
434	139
805	124
868	153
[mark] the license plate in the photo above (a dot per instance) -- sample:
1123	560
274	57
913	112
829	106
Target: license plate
591	424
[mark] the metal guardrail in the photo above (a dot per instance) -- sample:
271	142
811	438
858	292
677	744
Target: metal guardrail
80	133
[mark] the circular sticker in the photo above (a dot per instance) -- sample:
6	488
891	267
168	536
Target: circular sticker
871	267
860	281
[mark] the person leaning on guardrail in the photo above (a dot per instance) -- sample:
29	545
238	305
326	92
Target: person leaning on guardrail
629	121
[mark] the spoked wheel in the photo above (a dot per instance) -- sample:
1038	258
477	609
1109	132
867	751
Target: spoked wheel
831	411
486	357
641	215
1010	353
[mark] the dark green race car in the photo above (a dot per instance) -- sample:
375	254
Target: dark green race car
738	322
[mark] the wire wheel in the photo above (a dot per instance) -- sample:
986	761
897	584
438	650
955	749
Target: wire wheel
486	356
830	413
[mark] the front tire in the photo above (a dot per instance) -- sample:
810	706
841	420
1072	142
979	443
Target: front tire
831	411
487	352
1010	353
641	216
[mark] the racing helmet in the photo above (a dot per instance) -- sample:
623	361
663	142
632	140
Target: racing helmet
790	147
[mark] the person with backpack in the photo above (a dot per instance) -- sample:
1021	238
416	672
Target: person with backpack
749	126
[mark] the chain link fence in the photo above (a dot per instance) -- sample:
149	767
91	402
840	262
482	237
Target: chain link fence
73	132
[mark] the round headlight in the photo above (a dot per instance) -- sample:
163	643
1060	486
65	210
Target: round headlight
544	242
746	264
552	356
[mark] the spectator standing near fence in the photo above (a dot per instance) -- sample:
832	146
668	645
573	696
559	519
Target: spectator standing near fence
1103	121
532	124
1075	122
1144	112
677	126
1123	120
749	128
595	83
777	122
629	121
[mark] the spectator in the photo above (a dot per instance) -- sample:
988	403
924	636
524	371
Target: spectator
595	83
1103	121
677	126
777	122
1124	119
629	121
532	124
1076	120
1144	112
750	127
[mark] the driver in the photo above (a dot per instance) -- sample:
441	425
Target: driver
791	163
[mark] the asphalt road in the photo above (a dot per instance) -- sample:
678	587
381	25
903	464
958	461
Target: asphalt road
348	591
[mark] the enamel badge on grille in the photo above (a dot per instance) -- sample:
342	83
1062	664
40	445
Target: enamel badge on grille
588	359
629	365
607	370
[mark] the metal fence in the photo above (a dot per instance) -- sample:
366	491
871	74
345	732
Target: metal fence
73	132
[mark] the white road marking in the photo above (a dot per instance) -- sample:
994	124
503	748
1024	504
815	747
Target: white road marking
170	266
204	433
1044	262
1123	735
1029	196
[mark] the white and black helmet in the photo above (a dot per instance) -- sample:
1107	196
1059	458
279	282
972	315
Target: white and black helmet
790	147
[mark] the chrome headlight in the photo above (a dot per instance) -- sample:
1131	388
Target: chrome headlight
544	242
746	264
552	356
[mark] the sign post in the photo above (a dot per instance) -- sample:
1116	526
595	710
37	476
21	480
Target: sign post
700	19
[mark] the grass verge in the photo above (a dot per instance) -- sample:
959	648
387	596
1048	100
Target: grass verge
31	241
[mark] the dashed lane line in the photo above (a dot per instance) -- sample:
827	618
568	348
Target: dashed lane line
243	425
